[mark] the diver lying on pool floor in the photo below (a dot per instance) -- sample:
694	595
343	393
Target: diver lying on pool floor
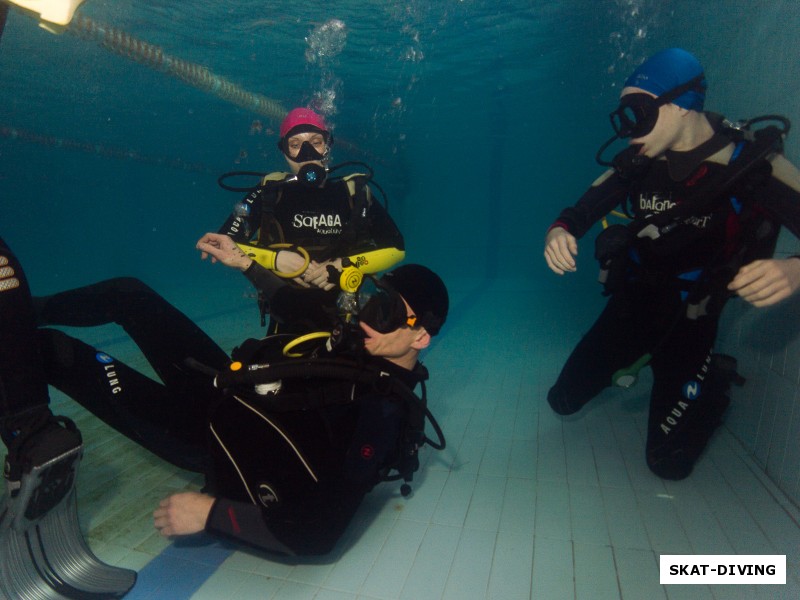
289	447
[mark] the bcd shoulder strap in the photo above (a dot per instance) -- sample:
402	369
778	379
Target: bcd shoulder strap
749	168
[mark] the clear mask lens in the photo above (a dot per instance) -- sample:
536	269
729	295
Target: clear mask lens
307	153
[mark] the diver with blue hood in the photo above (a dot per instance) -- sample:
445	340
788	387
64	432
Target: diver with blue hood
703	201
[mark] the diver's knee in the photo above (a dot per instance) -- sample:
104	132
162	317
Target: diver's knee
128	285
57	348
561	403
673	464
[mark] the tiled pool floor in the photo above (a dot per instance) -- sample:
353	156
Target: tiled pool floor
521	504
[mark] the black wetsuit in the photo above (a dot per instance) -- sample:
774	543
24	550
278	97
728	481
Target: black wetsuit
649	310
329	222
301	484
23	386
344	441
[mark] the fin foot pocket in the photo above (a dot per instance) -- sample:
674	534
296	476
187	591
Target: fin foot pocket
43	554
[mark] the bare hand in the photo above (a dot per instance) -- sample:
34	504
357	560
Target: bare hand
289	262
182	514
317	273
560	246
221	248
767	282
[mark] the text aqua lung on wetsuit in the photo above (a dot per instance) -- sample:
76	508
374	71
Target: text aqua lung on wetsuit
691	391
236	225
111	375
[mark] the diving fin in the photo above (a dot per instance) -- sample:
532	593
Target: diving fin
43	555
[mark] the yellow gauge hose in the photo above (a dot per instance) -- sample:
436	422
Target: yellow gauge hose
616	213
303	338
301	251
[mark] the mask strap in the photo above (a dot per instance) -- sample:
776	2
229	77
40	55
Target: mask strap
673	94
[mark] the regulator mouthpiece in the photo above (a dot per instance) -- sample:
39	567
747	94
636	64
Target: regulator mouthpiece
312	175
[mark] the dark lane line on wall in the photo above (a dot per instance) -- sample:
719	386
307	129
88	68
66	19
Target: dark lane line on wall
495	195
14	133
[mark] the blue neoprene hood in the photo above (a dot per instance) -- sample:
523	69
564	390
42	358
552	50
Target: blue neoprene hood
667	70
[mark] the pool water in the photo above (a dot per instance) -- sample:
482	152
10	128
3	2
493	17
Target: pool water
481	120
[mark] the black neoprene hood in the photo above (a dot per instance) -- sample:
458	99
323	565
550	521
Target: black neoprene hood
425	293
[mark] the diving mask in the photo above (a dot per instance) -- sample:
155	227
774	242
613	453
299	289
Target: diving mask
382	308
312	172
637	113
635	117
307	153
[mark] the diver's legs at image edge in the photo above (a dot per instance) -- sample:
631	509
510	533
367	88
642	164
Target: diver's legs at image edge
43	553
